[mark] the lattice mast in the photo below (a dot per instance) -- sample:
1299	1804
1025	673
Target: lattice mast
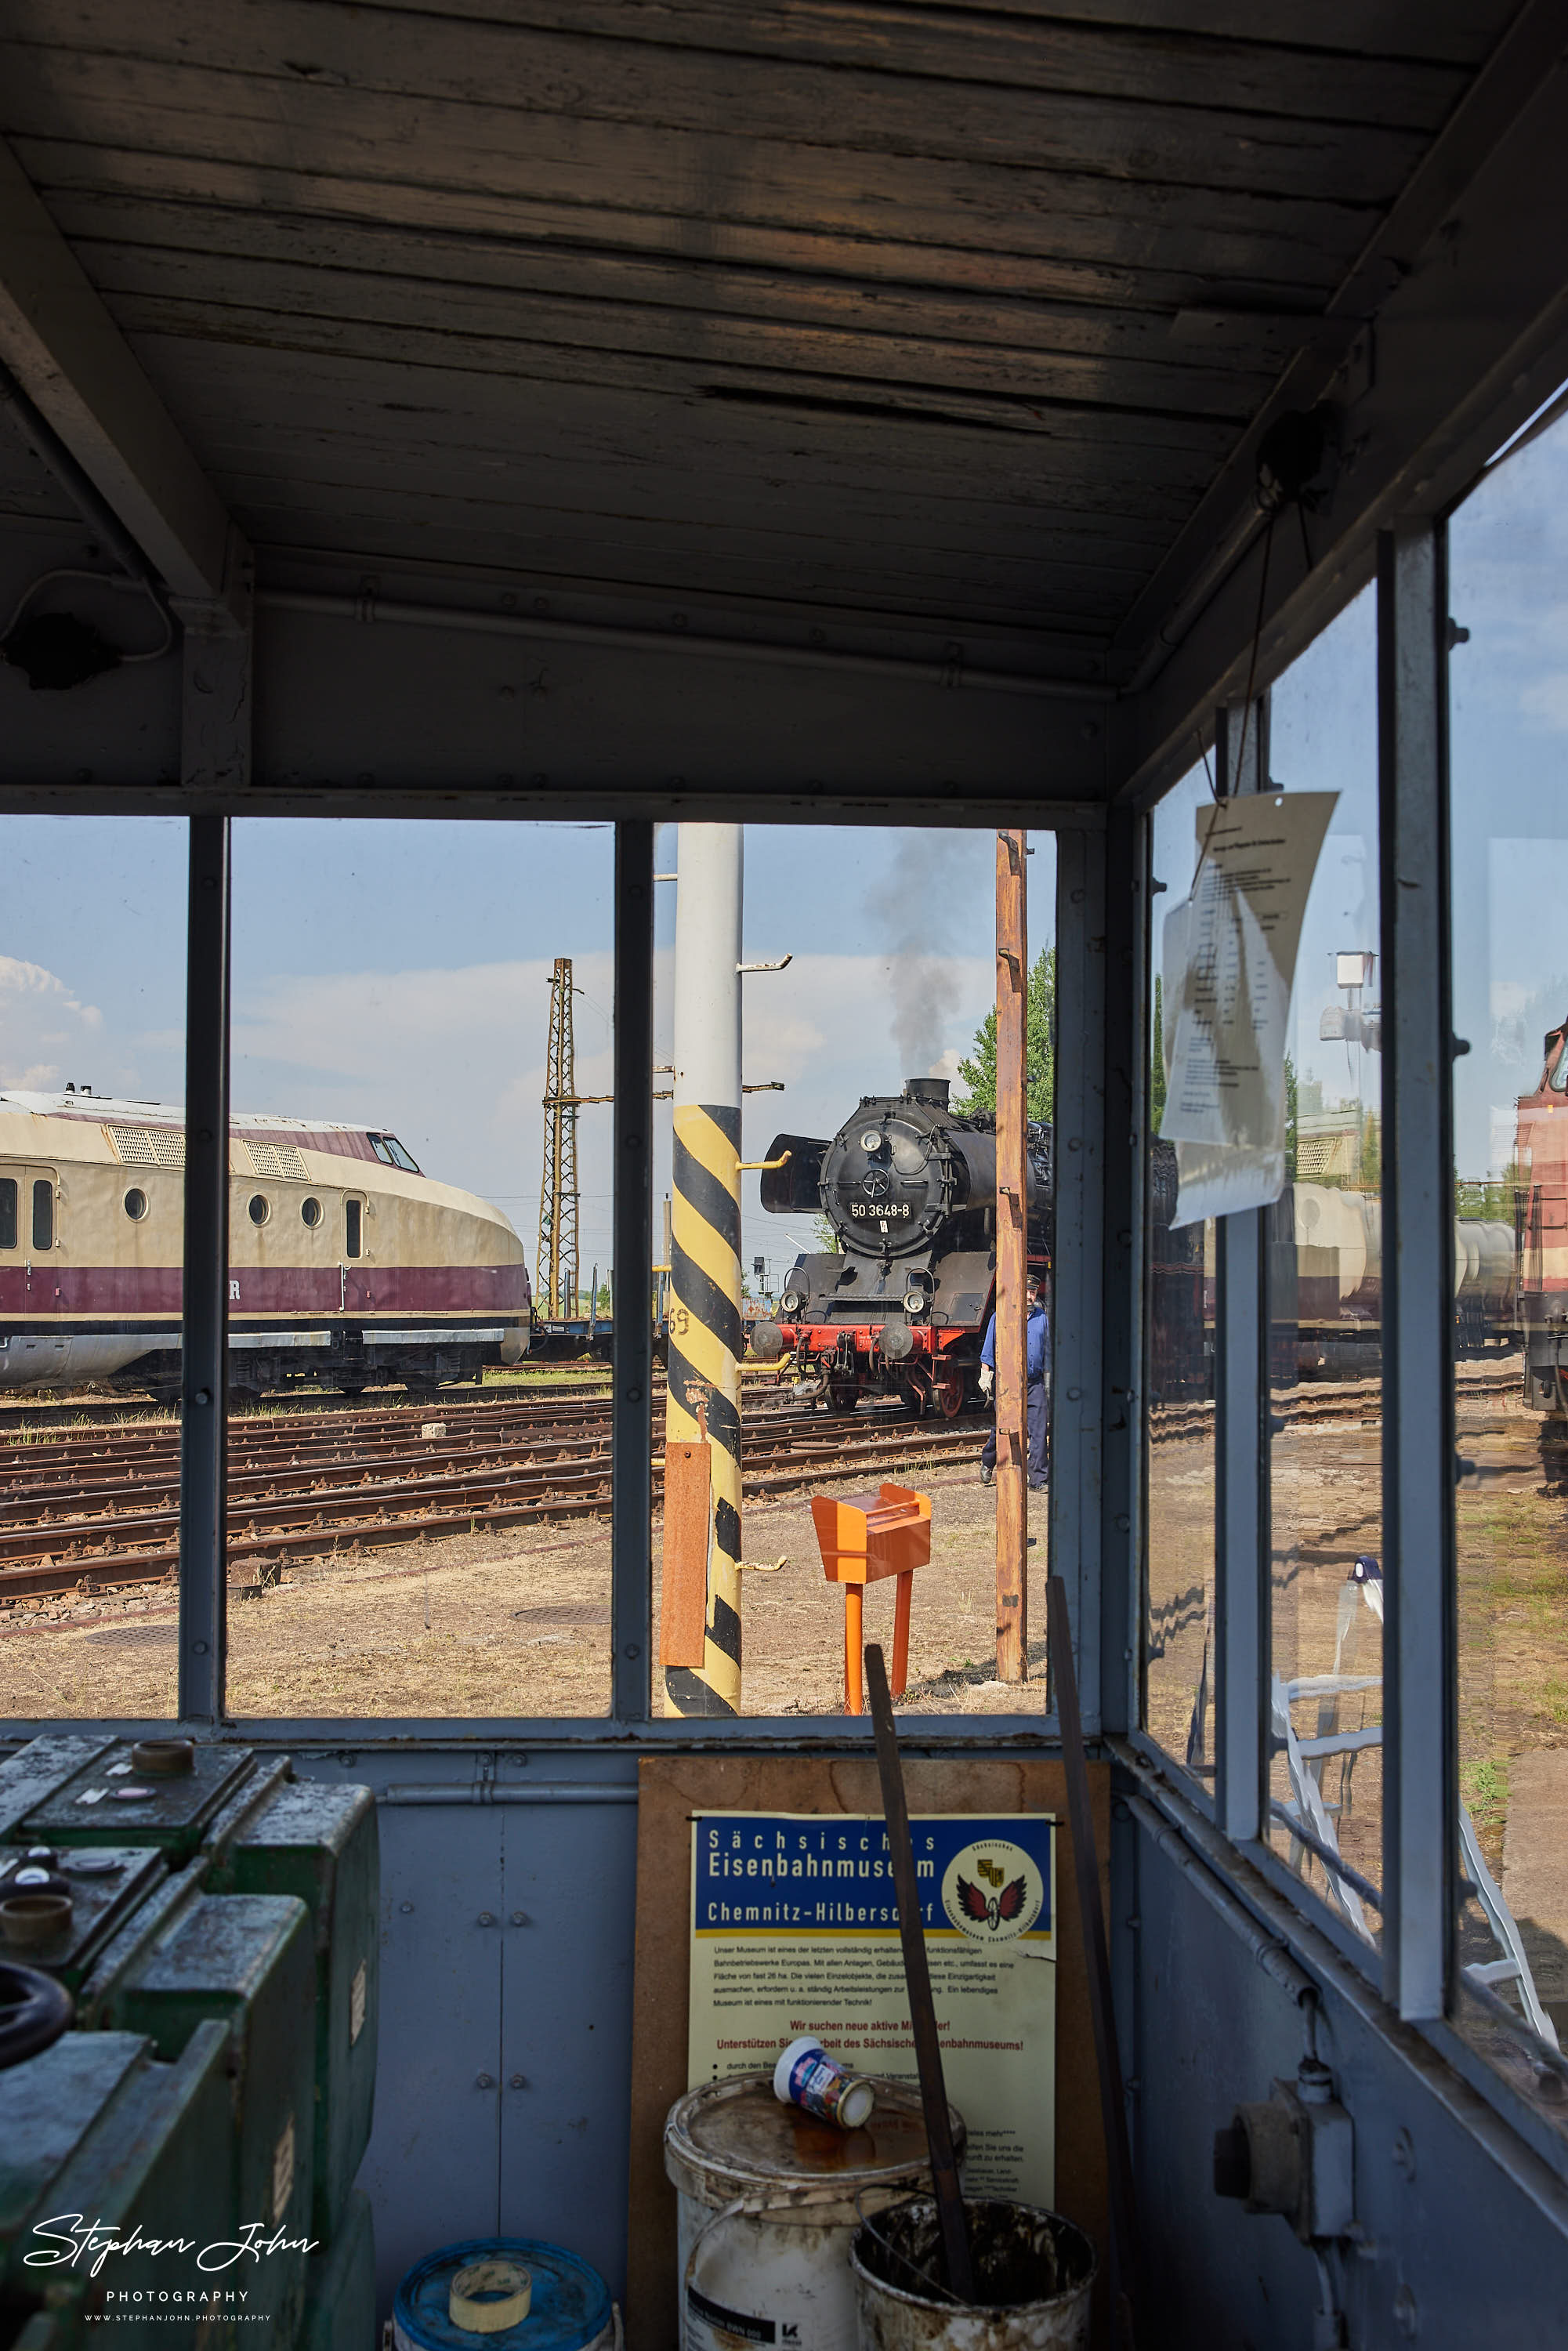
555	1270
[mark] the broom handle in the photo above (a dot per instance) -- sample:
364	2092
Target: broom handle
917	1978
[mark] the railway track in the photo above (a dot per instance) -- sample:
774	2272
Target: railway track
101	1507
1343	1400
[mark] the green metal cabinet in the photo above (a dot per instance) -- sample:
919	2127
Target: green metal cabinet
106	1885
105	1799
318	1843
97	2128
245	1960
340	2296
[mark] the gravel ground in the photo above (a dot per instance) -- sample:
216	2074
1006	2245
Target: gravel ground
517	1623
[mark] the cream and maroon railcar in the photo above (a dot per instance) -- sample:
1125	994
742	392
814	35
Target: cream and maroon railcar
347	1267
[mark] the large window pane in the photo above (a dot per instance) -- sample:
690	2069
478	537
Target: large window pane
419	1508
1178	1373
866	1256
92	1042
1509	701
1325	1259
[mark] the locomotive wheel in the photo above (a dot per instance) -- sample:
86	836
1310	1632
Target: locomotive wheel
950	1397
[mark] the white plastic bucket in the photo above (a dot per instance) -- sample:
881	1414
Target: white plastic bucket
1034	2281
768	2201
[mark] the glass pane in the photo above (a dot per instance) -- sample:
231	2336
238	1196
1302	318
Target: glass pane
418	1496
856	1268
1179	1372
1325	1259
92	1050
1509	705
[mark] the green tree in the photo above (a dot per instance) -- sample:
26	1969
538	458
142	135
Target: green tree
828	1241
977	1073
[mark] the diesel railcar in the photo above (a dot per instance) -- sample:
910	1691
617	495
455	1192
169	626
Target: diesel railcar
349	1267
908	1187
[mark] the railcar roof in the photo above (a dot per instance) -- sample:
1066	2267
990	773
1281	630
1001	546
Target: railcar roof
100	1107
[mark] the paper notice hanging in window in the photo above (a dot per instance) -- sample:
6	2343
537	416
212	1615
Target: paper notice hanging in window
1229	968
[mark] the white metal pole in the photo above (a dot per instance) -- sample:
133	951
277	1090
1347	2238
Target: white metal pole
704	1341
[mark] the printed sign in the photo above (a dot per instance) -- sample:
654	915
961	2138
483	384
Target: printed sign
795	1930
1229	965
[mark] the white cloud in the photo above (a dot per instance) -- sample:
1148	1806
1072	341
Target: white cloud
42	1023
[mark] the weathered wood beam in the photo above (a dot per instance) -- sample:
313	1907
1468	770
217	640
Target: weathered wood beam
66	352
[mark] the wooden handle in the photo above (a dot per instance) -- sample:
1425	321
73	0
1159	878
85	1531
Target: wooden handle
918	1980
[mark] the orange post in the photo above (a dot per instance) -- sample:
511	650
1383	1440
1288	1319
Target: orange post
863	1539
1012	1250
683	1596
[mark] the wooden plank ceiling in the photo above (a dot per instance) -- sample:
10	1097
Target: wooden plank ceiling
874	325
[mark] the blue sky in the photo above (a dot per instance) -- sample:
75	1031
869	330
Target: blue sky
397	974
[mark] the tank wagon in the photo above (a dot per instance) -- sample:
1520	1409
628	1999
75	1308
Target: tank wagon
900	1307
349	1267
1325	1285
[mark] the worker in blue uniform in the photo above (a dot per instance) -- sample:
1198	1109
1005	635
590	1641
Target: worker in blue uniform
1038	1367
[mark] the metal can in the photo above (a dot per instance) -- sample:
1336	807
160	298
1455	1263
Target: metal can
808	2077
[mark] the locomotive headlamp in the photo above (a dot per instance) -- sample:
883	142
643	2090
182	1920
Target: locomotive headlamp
872	1139
791	1301
914	1302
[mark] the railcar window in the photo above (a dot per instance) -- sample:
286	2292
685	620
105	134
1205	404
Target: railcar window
98	929
384	972
258	1208
135	1204
1559	1079
829	1301
1508	556
1178	1323
1325	1239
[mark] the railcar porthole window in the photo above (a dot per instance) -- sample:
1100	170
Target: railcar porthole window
135	1204
8	1212
260	1208
44	1213
311	1212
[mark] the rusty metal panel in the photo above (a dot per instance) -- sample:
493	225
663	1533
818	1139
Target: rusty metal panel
682	1615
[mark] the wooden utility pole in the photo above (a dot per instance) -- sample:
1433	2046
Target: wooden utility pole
1012	1261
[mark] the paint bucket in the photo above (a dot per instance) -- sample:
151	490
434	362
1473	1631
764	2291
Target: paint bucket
1034	2277
768	2201
569	2308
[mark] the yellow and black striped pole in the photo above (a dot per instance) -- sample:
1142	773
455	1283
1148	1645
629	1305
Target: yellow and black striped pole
705	1343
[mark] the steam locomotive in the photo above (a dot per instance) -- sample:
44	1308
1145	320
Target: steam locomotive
900	1306
349	1267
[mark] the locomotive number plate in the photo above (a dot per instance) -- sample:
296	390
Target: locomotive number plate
880	1211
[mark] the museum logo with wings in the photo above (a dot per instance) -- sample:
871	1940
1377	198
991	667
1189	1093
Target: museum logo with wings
993	1891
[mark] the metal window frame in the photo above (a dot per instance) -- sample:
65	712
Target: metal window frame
1420	1712
628	1723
